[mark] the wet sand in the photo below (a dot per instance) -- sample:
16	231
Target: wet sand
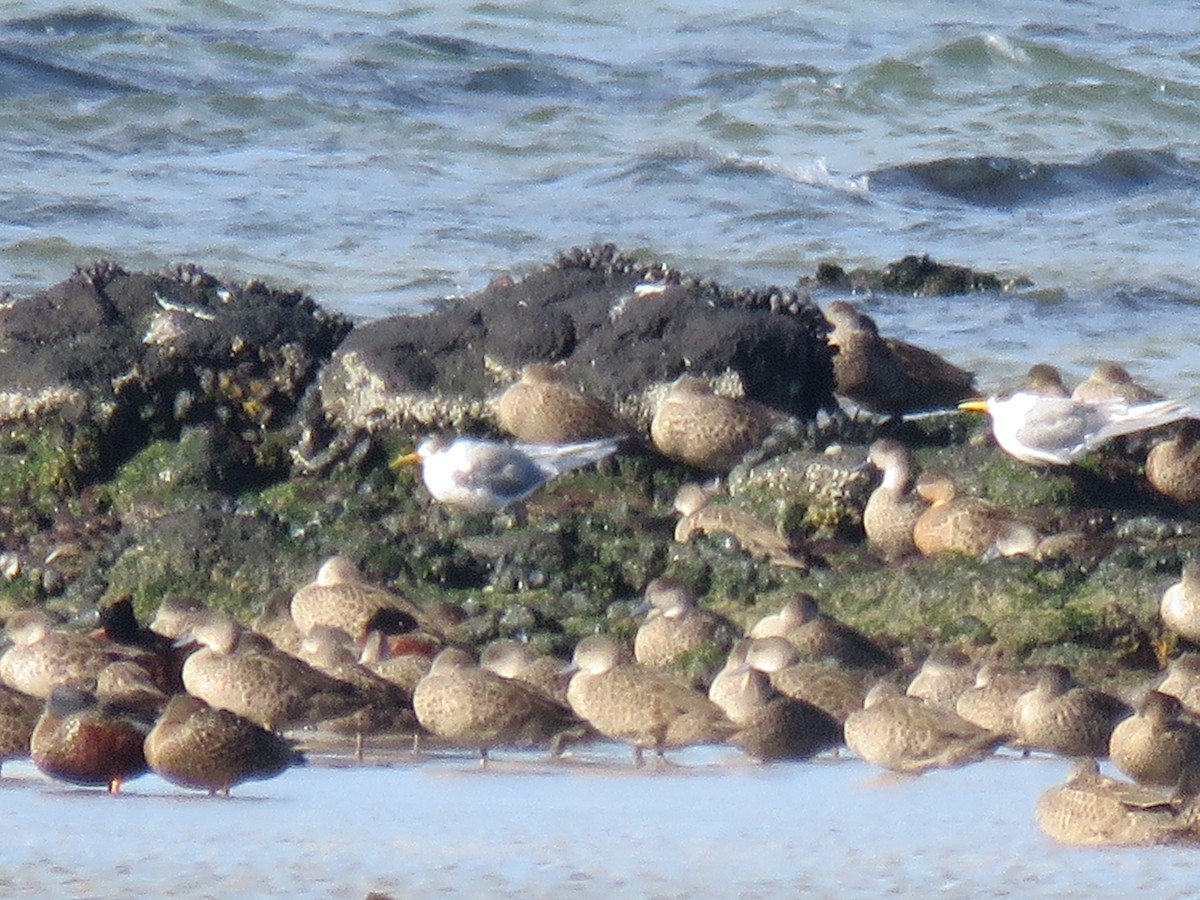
713	825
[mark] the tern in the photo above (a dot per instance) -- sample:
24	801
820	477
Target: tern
1036	428
480	475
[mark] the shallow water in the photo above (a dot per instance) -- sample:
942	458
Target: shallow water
711	826
385	155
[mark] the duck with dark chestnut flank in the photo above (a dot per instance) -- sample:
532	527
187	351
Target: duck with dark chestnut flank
79	740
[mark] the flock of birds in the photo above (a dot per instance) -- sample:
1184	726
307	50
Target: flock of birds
204	700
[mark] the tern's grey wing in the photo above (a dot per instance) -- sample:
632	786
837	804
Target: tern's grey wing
1061	428
501	471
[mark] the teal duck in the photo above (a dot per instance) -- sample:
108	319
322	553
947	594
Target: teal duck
544	408
696	426
196	746
1063	717
893	508
79	740
639	706
1156	745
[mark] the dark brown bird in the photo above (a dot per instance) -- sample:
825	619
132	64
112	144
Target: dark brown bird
79	740
196	746
1173	465
18	716
886	375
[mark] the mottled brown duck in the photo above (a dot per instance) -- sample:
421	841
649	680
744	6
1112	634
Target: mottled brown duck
386	707
18	716
243	672
675	625
509	658
1183	681
828	686
42	657
698	515
544	408
1063	717
1156	745
196	746
1180	604
817	635
1173	465
893	508
967	525
472	707
904	734
642	707
991	701
1110	381
942	678
339	597
1091	809
696	426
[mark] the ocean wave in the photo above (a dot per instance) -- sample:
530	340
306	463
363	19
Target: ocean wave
813	172
1006	181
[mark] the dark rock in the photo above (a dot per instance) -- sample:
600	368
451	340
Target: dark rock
440	368
121	357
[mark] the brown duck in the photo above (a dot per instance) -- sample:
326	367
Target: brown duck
694	425
79	740
196	746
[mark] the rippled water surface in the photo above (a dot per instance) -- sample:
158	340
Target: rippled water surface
713	826
381	155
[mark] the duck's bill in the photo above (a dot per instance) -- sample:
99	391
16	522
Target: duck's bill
406	460
975	405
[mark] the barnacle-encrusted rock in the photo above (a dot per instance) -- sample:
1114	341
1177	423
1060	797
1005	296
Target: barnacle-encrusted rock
122	356
623	329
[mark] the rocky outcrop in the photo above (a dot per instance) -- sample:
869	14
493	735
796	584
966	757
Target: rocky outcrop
623	329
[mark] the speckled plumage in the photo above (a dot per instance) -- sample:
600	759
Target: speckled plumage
1091	809
640	706
472	707
816	635
196	746
758	538
340	598
907	735
245	673
1063	717
693	425
543	408
886	375
1180	604
990	702
676	625
42	657
1155	745
18	716
967	525
386	707
1183	681
1173	465
828	686
942	678
893	508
